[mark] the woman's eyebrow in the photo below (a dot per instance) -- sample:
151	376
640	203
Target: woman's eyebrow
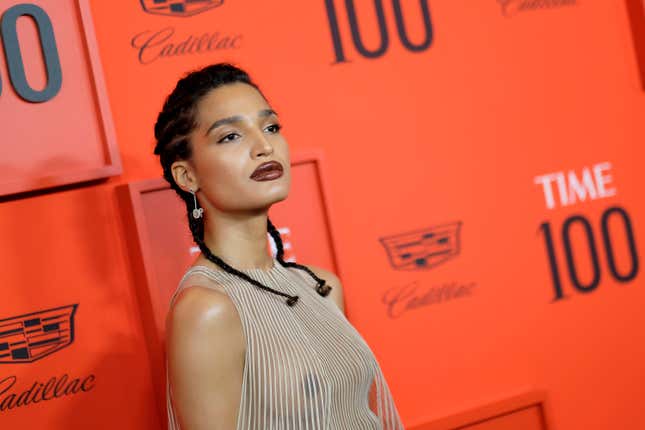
236	118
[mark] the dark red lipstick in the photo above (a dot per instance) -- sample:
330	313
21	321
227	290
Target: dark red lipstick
267	171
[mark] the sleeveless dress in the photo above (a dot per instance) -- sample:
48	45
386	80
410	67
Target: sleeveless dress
306	366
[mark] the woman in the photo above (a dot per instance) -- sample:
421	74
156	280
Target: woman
240	356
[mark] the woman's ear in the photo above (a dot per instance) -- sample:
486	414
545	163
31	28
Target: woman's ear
183	174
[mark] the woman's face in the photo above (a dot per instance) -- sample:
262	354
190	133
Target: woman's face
236	132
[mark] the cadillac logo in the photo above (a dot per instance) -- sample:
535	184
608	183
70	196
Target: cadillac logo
179	7
423	249
30	337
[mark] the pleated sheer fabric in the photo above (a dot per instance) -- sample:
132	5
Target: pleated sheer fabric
306	367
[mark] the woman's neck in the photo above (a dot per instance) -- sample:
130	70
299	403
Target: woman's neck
241	241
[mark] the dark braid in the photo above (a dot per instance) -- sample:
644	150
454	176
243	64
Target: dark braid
174	123
322	288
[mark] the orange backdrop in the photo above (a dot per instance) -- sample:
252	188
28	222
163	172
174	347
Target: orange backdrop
481	169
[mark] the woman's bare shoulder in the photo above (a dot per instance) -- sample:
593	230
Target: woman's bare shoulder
205	347
198	307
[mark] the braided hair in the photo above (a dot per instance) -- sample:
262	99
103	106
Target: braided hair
174	123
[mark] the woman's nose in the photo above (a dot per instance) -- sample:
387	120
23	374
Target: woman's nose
261	145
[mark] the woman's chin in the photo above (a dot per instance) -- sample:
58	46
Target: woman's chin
274	190
277	197
264	201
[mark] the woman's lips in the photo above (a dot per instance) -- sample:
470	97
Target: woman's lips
267	171
275	174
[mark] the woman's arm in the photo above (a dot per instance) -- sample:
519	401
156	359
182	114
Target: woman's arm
205	347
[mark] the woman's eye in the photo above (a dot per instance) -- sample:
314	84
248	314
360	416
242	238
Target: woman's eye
227	138
274	128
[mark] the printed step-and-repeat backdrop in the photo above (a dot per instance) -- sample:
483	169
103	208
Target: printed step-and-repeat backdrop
470	171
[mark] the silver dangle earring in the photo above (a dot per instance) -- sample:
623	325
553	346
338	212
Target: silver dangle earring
197	212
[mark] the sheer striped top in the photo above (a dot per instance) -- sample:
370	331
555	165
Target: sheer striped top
306	366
